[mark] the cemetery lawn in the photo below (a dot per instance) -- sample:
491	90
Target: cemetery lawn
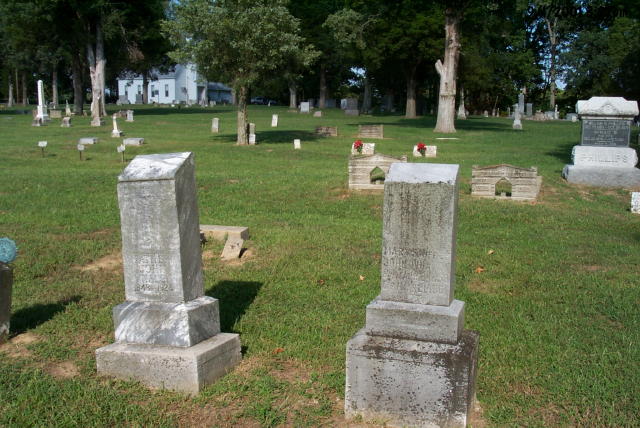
552	286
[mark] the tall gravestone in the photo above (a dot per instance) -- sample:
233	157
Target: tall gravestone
351	107
167	332
413	363
529	109
604	157
42	107
521	103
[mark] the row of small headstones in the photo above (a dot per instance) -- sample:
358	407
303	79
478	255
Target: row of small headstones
82	142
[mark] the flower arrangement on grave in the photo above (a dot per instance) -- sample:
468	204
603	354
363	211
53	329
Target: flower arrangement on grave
422	148
358	146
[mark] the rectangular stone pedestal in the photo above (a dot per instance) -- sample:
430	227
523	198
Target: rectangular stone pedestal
6	285
186	370
411	383
602	176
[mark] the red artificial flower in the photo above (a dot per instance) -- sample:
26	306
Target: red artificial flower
422	147
358	146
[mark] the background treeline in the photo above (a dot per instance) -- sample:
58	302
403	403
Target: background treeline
382	51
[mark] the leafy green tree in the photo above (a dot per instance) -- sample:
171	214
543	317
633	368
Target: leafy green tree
237	41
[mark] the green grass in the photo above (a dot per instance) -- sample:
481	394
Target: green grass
556	305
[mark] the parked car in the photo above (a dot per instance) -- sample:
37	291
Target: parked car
259	100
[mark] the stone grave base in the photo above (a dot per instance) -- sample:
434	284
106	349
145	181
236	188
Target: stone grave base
602	176
411	383
117	134
171	324
6	285
187	370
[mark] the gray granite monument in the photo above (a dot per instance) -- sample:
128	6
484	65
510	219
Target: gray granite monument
351	107
521	103
413	364
604	157
529	109
167	332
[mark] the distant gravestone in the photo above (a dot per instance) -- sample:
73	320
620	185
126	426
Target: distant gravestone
572	117
55	114
529	108
550	114
317	113
66	122
521	103
368	172
327	131
274	121
296	144
252	128
370	131
351	107
88	140
129	116
635	202
429	151
133	141
516	183
413	364
215	125
252	139
367	149
517	123
67	110
139	99
604	157
116	133
42	114
485	114
304	107
167	332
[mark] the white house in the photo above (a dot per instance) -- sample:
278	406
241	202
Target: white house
183	84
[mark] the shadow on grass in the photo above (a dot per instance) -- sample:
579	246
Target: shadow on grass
235	297
563	152
31	317
285	137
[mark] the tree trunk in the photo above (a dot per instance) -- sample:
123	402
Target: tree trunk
366	98
553	42
448	73
234	99
10	100
24	88
462	112
293	100
97	63
323	86
410	109
17	87
78	93
54	87
242	116
145	88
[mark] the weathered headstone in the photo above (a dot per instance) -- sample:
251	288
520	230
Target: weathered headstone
66	122
368	172
413	364
215	125
296	144
521	103
139	99
429	152
252	139
252	128
327	131
97	121
317	113
55	114
370	131
635	202
42	145
604	157
521	184
116	133
485	114
129	116
367	149
67	110
573	117
517	123
304	107
274	120
529	109
133	141
167	332
88	140
351	107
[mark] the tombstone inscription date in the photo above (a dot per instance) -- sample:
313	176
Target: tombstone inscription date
607	133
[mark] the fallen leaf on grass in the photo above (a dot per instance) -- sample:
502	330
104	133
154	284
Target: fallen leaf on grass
479	269
490	252
278	350
361	278
321	282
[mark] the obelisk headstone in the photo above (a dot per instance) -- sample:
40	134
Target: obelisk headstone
413	364
67	110
167	332
42	107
